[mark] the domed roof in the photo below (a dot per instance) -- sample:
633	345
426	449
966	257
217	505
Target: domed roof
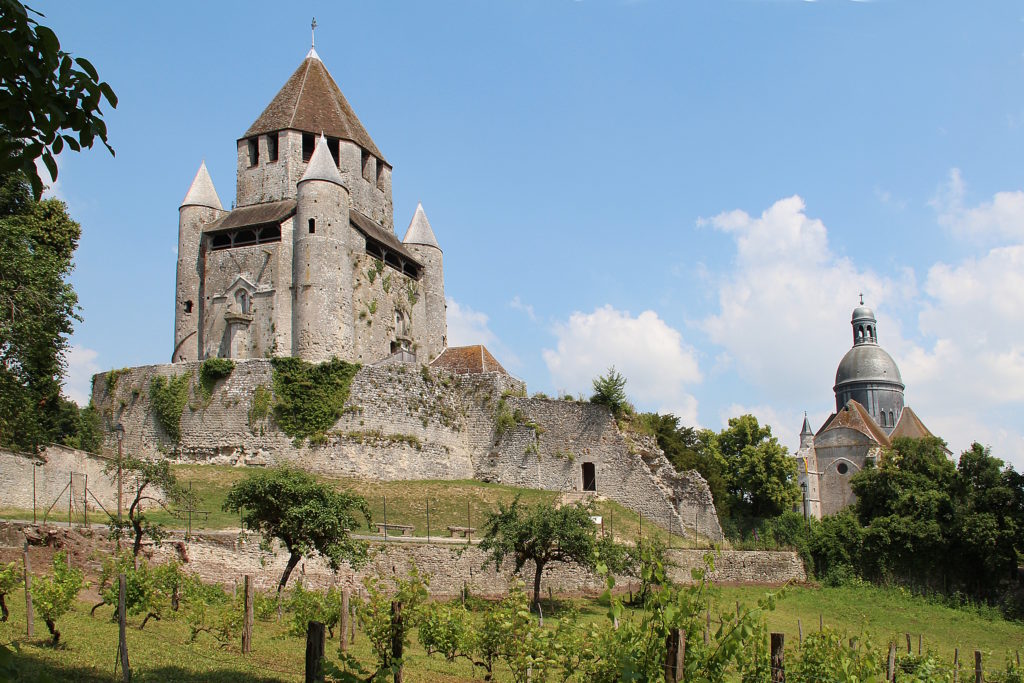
862	312
867	363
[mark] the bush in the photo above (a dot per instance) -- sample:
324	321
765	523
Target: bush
168	398
610	390
53	596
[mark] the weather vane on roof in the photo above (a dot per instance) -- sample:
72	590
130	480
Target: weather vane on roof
312	28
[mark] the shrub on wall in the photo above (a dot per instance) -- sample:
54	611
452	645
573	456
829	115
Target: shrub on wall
211	371
310	397
168	398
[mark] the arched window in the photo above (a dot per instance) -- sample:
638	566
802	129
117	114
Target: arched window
892	422
860	332
883	418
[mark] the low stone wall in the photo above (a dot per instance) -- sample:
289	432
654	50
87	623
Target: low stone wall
52	470
225	558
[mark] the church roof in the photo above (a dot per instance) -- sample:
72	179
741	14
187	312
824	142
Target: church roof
321	165
419	231
311	101
910	426
855	416
254	214
868	363
467	360
201	192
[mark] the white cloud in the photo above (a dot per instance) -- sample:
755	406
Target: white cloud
1000	218
657	363
82	366
783	321
518	305
52	187
784	307
467	327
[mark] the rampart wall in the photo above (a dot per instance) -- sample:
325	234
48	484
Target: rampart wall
404	421
49	474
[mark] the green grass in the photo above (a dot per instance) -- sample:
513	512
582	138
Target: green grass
452	503
162	652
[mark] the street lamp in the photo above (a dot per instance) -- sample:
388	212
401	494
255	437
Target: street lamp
119	434
803	492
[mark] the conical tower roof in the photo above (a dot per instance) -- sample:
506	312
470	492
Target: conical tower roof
312	102
806	430
419	231
201	192
321	165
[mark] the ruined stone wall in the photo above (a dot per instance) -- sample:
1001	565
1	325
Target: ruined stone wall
553	440
52	475
406	421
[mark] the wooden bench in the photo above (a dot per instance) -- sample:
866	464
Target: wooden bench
465	531
406	529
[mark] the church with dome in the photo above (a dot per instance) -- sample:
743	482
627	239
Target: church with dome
870	413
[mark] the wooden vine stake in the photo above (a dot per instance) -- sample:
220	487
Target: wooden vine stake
890	669
675	656
314	652
344	627
29	612
778	658
248	620
800	631
979	675
396	639
122	627
956	665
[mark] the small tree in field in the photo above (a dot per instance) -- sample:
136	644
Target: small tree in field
141	477
542	533
610	390
52	596
307	516
10	578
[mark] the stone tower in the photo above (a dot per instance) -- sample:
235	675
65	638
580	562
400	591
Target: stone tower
201	206
868	375
307	262
420	240
321	266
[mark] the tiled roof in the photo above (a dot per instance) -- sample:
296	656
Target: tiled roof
910	426
419	231
255	214
201	192
311	101
855	416
467	359
374	230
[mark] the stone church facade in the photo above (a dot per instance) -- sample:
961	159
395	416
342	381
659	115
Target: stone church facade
870	413
306	263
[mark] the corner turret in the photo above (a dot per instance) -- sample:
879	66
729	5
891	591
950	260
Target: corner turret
200	207
322	268
420	240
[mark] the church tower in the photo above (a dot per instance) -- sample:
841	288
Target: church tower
868	375
200	207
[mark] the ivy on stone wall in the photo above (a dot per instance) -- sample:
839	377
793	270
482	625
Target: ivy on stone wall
210	372
310	397
259	408
168	398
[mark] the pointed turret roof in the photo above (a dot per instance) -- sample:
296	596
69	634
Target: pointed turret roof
311	101
201	192
321	165
806	431
419	231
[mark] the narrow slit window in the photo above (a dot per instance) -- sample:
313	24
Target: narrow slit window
254	151
332	145
308	141
272	147
312	226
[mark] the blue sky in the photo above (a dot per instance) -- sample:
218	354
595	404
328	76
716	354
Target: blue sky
695	192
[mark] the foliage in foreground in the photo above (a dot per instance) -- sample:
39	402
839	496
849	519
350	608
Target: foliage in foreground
53	596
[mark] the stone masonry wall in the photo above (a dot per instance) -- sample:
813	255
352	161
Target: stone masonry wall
52	475
223	558
405	421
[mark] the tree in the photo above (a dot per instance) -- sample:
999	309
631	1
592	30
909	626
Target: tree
307	516
541	533
48	99
688	448
142	477
610	390
38	307
760	475
53	596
